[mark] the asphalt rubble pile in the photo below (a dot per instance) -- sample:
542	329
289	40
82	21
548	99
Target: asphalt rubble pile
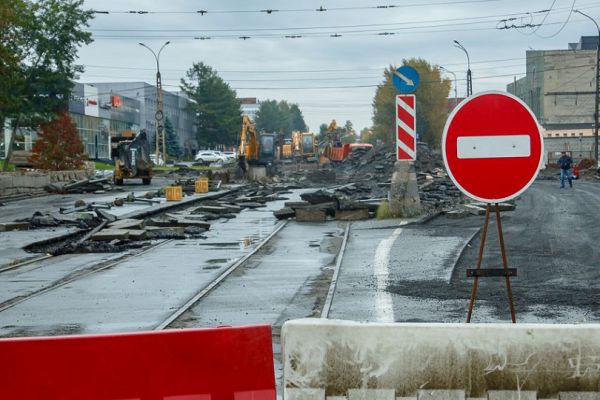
363	181
90	185
106	233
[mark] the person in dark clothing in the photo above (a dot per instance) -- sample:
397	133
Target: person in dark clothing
565	162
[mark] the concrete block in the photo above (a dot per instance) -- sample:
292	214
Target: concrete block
127	223
404	191
317	353
106	235
284	213
211	209
176	229
136	234
371	394
428	394
14	226
579	396
512	395
352	215
310	215
336	398
304	394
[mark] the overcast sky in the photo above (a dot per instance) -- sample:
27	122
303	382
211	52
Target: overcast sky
270	66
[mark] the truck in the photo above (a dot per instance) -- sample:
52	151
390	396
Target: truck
131	156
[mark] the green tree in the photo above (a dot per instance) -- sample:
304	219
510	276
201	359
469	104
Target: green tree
432	96
280	117
218	112
173	148
58	146
323	128
268	116
297	119
39	42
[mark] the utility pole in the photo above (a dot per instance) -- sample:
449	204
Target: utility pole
597	89
469	79
455	84
160	128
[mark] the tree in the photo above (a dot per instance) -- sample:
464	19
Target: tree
58	146
432	96
268	117
218	112
173	148
296	119
41	49
323	128
280	117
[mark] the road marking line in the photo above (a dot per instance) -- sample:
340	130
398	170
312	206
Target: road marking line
496	146
384	307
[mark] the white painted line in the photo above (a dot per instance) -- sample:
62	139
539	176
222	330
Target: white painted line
384	307
493	146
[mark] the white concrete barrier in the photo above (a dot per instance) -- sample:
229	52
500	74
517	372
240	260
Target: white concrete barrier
497	361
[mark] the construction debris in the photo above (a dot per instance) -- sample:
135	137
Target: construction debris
90	185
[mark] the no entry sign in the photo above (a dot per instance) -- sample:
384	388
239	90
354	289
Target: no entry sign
492	146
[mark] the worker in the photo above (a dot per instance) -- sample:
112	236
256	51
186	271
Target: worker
565	162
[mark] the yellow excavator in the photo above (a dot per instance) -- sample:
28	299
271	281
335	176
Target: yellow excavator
303	145
328	141
257	151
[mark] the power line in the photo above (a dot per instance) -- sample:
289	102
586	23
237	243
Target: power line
269	11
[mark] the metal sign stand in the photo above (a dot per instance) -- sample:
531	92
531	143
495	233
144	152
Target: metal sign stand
487	272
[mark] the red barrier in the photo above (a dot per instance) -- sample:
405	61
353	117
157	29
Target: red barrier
197	364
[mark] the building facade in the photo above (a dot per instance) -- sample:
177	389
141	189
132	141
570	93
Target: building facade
99	116
250	106
176	107
560	88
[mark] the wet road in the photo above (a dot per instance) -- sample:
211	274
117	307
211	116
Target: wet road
552	239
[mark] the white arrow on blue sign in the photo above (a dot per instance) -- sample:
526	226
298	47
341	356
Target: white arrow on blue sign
406	79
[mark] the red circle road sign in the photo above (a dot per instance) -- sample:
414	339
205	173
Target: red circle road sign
492	146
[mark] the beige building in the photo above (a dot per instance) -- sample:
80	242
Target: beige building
560	86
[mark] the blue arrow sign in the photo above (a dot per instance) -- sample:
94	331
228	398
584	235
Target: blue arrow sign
406	79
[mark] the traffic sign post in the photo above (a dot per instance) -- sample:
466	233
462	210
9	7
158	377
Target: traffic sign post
406	127
404	192
492	147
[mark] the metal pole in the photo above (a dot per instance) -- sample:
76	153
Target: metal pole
160	133
469	77
597	88
455	84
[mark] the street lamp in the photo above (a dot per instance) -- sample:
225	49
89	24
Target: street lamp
597	88
455	84
469	82
160	133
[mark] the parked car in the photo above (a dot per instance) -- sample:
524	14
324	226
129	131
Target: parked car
210	156
231	155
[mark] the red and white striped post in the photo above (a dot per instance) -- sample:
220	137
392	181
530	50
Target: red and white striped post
406	127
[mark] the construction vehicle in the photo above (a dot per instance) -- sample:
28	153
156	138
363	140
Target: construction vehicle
256	152
131	155
303	145
286	149
329	140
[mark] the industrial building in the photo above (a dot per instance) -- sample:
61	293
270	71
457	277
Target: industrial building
175	107
560	88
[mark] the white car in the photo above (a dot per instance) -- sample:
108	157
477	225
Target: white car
231	155
210	156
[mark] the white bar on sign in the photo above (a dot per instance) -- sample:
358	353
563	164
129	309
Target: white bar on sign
493	146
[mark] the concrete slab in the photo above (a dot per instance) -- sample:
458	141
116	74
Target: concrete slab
106	235
310	215
512	395
428	394
352	215
371	394
304	394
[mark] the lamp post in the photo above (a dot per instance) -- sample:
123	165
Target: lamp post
455	84
597	88
469	82
160	133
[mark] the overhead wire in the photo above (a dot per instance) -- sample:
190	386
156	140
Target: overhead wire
269	11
